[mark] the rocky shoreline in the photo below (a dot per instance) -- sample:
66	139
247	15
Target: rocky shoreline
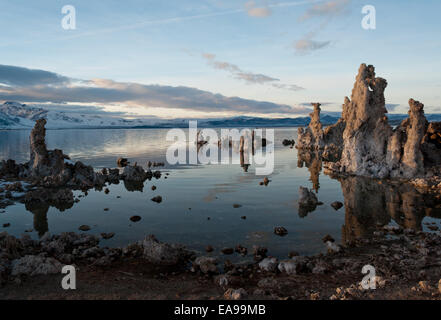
50	175
407	265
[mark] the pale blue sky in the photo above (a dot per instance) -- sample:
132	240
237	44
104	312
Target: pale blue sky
163	42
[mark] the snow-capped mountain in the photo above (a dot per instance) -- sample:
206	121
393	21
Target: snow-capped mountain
14	115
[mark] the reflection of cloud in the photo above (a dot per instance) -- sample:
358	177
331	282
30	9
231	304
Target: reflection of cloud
248	77
25	86
254	11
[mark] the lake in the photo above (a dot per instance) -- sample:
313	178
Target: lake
197	208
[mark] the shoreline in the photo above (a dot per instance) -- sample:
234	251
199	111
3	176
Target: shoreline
407	267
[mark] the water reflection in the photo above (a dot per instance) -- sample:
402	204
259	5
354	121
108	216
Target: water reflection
312	160
40	209
198	192
371	204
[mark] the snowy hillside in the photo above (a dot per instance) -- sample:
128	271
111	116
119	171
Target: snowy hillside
14	115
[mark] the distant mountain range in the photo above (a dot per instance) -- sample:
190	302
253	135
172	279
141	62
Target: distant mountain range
14	115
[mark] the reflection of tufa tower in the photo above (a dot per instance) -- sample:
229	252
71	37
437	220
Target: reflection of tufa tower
39	211
313	162
371	204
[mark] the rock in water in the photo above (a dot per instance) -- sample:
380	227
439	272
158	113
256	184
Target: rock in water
84	228
337	205
312	137
280	231
307	197
411	162
43	162
134	174
122	162
135	218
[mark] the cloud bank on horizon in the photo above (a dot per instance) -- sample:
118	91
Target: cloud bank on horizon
40	86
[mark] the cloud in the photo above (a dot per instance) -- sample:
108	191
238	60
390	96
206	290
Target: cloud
248	77
327	9
392	106
17	76
102	91
258	12
326	12
305	46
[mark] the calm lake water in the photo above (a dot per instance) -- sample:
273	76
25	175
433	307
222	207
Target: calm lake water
197	208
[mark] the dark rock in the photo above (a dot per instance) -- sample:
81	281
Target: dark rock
337	205
280	231
135	218
157	199
328	238
122	162
84	228
241	250
288	143
227	251
107	236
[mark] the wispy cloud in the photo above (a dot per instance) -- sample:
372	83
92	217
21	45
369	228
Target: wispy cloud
102	91
248	77
325	11
254	10
305	46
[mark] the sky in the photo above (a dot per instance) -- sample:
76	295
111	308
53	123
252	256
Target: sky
212	58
